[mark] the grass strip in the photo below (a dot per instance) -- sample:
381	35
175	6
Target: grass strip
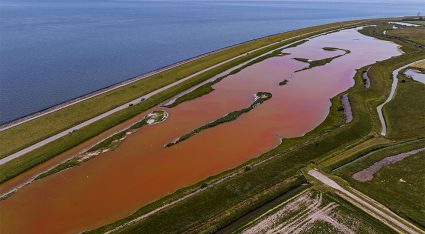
260	97
196	93
399	186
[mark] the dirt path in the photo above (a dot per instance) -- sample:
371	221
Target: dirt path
369	205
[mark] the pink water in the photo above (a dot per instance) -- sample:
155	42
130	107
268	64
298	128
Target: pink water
141	170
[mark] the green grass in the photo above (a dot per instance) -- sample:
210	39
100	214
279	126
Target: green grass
219	205
262	97
404	198
198	92
23	135
63	166
415	34
416	22
405	114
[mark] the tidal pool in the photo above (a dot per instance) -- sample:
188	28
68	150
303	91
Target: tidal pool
141	169
416	75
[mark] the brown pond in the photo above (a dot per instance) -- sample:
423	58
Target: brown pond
141	170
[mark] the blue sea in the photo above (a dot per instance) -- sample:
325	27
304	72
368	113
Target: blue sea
55	50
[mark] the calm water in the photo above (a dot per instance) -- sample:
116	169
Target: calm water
141	170
52	51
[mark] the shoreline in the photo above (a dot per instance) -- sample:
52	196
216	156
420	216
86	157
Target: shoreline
36	114
123	106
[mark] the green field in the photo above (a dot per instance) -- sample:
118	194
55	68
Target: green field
221	204
334	146
405	114
399	186
416	22
416	34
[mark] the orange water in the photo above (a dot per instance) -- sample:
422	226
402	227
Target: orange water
141	170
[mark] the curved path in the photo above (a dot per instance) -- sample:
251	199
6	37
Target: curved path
390	97
138	100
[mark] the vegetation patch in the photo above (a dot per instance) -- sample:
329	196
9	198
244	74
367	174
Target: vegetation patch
296	44
368	173
414	34
284	82
405	114
321	62
420	64
259	98
399	186
417	22
196	93
221	204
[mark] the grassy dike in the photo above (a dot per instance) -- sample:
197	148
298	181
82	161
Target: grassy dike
42	154
219	205
23	135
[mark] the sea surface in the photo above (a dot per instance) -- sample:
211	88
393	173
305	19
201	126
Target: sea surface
55	50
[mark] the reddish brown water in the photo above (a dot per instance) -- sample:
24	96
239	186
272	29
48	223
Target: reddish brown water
141	170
